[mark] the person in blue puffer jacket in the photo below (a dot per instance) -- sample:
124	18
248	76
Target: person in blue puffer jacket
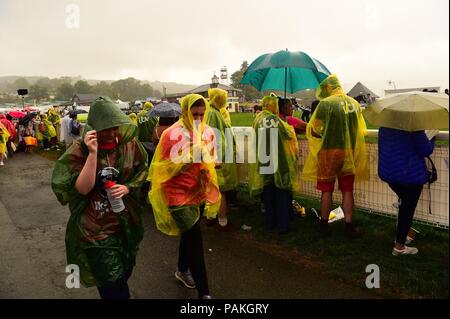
401	163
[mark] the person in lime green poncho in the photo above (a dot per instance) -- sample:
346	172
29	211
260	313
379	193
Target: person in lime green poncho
94	176
55	119
47	132
183	179
4	137
218	117
278	178
337	150
146	123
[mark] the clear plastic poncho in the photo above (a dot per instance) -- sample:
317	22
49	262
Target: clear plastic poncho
226	172
92	224
181	182
286	155
335	135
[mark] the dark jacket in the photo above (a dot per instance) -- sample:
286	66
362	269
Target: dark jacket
401	156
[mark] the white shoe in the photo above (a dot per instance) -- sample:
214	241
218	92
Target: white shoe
405	251
1	163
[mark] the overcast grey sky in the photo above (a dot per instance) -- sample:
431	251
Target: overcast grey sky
184	41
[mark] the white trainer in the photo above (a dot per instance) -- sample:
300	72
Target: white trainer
405	251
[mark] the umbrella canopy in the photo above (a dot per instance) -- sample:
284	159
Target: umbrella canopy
17	114
28	117
285	71
165	110
411	111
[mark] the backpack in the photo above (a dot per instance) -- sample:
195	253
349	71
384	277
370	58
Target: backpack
432	177
74	128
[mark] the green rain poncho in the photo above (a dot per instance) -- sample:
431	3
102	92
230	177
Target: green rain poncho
181	182
227	172
146	123
286	154
96	236
340	149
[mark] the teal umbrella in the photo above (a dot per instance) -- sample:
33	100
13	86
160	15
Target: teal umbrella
285	71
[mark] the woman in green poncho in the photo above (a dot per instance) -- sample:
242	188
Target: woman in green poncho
276	171
102	237
218	118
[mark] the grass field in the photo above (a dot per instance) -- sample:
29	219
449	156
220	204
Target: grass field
422	276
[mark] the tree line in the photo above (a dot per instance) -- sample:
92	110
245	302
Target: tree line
62	89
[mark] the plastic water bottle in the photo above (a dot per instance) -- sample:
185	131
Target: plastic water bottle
117	204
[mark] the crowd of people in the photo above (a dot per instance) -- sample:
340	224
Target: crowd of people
175	162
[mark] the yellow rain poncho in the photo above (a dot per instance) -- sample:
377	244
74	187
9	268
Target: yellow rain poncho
4	137
182	182
340	150
53	117
226	172
133	118
46	130
286	155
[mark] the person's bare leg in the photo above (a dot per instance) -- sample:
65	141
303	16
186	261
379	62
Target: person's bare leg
325	205
348	205
223	210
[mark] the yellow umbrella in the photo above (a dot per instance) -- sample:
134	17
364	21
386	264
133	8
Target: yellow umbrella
411	111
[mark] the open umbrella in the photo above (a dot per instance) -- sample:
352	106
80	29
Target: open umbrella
285	71
165	110
28	117
17	114
410	111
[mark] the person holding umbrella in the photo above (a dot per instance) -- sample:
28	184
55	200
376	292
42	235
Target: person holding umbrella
183	179
275	182
337	150
408	124
100	178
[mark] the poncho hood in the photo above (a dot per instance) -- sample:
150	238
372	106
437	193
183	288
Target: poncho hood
104	114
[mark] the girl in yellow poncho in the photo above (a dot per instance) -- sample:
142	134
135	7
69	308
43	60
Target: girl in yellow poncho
218	117
279	181
183	178
337	150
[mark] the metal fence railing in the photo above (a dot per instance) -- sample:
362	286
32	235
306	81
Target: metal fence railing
375	195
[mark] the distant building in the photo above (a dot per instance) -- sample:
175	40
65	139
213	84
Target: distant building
233	93
396	91
84	98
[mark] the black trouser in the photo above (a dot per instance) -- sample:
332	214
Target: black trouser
9	148
190	256
46	143
277	206
118	290
408	197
